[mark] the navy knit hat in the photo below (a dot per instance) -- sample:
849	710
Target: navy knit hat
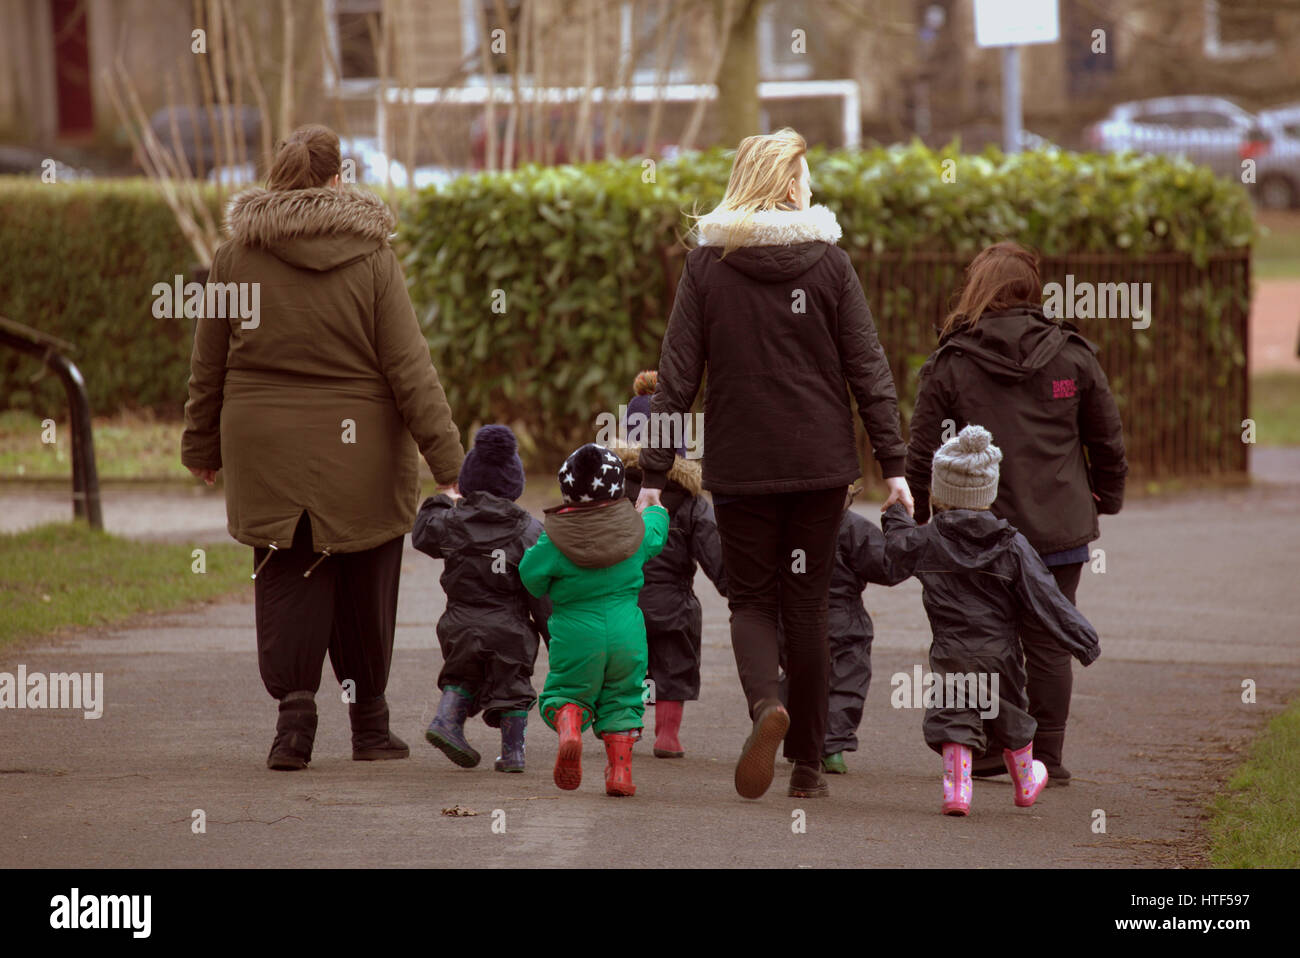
590	474
493	464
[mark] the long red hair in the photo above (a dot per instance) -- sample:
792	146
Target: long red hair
999	277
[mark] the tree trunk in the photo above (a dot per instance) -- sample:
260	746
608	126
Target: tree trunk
738	76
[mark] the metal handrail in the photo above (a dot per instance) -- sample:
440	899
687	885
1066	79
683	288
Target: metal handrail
50	350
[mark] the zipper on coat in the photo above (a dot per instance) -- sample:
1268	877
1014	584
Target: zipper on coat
324	555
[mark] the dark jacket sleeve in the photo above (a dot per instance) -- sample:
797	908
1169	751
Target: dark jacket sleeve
539	609
201	440
1102	434
403	355
706	547
867	555
925	436
426	534
681	370
865	368
904	542
1042	600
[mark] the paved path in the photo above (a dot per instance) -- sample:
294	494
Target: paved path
1198	594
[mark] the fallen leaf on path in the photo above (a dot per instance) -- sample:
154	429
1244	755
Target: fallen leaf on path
459	811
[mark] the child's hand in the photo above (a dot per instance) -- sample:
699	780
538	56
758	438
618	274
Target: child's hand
647	497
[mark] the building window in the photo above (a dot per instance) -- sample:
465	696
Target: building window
354	30
1239	30
659	32
1087	72
778	59
472	44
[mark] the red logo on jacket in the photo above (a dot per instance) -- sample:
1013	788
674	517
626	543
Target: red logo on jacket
1062	388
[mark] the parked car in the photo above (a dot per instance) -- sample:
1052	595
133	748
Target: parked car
24	161
1207	130
199	135
1277	158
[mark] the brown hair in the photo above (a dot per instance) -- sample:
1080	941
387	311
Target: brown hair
310	157
999	277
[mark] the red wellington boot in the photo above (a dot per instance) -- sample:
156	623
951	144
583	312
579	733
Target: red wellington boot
668	723
568	760
618	773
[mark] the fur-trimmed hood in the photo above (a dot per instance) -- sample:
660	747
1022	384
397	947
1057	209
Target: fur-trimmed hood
769	227
319	228
774	246
685	472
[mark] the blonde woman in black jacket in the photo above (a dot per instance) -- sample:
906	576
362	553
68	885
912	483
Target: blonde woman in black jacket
774	311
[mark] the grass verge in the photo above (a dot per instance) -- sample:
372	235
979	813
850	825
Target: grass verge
66	574
1275	407
1277	252
1255	820
127	446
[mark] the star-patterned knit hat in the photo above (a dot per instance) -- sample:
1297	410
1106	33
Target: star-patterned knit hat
591	474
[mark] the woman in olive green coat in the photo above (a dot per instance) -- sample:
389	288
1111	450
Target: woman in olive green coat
307	400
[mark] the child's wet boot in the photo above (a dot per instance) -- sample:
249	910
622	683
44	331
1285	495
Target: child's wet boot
618	773
1027	775
513	725
956	779
568	760
447	730
668	725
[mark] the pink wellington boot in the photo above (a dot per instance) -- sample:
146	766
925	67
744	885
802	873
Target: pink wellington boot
668	725
1027	775
956	779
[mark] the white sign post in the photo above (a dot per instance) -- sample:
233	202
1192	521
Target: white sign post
1009	24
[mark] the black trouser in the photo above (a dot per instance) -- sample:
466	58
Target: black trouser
778	551
849	682
1012	727
1051	677
347	608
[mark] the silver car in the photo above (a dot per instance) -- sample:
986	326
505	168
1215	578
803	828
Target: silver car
1207	130
1277	158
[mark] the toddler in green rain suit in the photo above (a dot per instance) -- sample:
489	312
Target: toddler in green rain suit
589	561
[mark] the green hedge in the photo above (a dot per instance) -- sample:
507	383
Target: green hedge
588	256
79	260
587	259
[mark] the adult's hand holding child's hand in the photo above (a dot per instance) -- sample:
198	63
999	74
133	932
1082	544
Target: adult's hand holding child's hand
451	492
900	493
648	497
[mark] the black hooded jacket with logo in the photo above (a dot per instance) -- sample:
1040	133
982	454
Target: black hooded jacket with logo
1037	387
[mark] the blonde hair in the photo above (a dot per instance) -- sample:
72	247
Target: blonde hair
760	178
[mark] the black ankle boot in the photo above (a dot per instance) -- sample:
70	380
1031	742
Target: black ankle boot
372	741
295	733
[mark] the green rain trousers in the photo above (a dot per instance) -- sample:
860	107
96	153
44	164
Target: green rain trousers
598	645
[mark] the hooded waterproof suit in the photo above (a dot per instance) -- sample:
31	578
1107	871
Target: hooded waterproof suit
489	632
674	621
589	560
859	559
979	577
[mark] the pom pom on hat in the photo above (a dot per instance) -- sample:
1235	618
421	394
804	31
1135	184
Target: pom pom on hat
646	382
964	474
493	465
